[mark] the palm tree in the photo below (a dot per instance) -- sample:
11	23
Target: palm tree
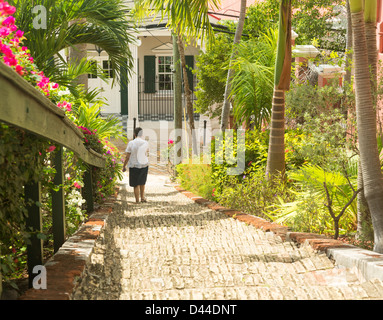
252	84
276	154
366	119
237	38
105	24
189	20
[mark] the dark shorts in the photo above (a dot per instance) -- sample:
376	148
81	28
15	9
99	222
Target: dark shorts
137	176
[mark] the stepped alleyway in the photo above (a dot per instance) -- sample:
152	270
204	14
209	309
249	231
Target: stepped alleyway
174	248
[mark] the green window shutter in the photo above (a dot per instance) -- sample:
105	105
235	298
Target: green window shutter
189	68
150	74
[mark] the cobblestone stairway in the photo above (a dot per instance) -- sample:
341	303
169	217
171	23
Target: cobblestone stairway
173	248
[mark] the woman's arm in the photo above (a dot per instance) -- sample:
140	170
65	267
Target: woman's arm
126	162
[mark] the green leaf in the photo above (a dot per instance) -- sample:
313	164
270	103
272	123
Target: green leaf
41	236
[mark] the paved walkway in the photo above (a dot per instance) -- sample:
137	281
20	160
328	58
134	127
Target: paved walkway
173	248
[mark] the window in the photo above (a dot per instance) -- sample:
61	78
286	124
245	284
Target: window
93	64
107	68
165	73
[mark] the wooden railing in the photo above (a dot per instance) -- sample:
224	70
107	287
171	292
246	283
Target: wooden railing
22	106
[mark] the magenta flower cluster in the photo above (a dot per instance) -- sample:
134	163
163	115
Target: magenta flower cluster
16	56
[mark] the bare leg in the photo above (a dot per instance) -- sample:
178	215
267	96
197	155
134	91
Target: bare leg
142	192
137	193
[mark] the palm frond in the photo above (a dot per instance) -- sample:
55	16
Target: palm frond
89	116
107	24
189	17
252	84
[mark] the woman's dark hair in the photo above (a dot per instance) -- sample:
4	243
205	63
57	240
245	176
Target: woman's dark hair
138	132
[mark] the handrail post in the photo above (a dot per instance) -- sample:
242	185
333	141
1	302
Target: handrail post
58	202
88	189
34	225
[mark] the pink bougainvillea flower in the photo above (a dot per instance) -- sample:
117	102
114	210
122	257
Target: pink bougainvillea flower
10	61
6	9
19	34
19	70
77	185
170	141
6	50
7	22
51	148
4	32
55	86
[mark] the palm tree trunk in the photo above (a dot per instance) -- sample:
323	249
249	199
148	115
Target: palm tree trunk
276	153
366	125
177	102
188	94
237	38
347	76
364	224
365	230
76	54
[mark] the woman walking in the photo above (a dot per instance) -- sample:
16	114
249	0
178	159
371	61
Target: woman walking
138	163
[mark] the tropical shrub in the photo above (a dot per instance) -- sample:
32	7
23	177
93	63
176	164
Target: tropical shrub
196	178
211	72
253	82
255	150
309	212
253	194
105	24
105	179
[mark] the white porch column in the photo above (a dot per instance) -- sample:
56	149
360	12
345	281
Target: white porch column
133	92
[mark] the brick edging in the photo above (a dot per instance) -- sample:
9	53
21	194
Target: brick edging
367	264
68	263
316	241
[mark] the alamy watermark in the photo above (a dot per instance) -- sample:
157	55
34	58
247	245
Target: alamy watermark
177	145
40	20
40	280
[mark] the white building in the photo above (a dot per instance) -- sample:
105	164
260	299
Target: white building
148	99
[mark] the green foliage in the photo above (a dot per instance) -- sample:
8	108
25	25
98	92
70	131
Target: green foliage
104	179
104	23
256	146
310	21
261	17
308	211
88	116
196	178
253	194
320	114
187	18
253	82
22	161
211	72
325	150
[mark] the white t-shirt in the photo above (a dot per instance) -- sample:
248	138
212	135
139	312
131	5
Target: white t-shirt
138	149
